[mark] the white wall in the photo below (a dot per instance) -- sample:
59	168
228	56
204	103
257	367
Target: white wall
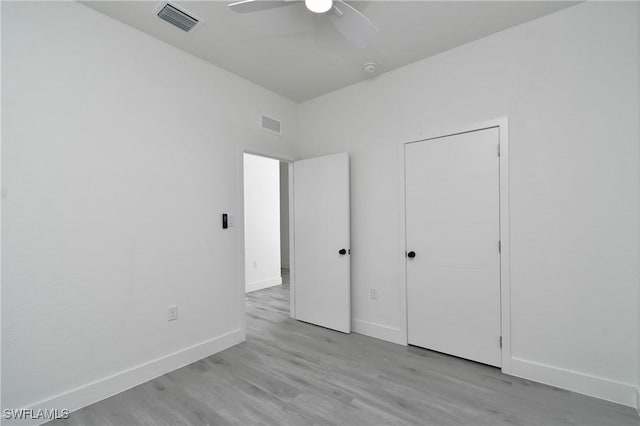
261	222
284	214
120	153
569	84
135	226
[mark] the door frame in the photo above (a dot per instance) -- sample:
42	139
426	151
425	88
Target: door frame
239	224
502	124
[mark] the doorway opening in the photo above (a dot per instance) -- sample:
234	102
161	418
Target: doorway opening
266	234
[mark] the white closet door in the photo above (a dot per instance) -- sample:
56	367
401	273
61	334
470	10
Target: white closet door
453	226
321	235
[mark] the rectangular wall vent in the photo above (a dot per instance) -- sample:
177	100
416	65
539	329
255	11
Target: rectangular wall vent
270	125
177	18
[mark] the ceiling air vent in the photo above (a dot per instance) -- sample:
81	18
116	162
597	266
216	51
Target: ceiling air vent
177	17
270	124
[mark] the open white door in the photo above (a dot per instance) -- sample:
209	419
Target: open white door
321	235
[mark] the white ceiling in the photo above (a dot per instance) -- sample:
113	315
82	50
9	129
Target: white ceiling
300	55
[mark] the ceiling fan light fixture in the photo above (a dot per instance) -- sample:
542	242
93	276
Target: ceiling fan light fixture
318	6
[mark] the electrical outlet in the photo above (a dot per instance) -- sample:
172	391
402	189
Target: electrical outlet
173	312
255	263
374	293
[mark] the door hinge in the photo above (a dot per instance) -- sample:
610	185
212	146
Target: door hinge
501	341
499	246
498	150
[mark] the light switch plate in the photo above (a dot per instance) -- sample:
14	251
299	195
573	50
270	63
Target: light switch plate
173	312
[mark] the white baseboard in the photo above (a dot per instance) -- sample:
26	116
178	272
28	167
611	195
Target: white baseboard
98	390
599	387
259	285
379	331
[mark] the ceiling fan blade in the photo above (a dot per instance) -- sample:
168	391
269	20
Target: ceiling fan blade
248	6
353	25
325	36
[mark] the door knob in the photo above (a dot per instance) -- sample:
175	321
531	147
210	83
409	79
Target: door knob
411	254
342	251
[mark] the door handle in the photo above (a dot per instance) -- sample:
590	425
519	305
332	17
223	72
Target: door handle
411	254
342	252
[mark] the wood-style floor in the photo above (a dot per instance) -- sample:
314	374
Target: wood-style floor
293	373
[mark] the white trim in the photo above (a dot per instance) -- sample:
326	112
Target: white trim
599	387
505	238
259	285
90	393
2	196
292	246
404	319
268	153
240	259
505	278
379	331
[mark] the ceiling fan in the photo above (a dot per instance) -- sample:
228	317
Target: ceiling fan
353	25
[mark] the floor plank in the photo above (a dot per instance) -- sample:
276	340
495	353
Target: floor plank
293	373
